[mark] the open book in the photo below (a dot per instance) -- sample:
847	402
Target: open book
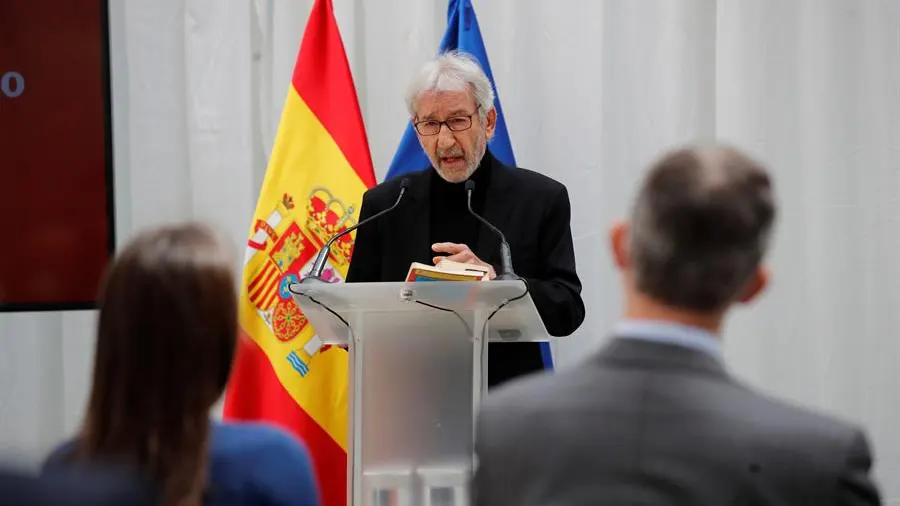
447	270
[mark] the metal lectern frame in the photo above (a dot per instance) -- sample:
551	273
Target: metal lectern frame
418	367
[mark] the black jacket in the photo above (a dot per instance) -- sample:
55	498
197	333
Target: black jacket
532	211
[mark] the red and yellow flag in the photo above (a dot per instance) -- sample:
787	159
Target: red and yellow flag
319	168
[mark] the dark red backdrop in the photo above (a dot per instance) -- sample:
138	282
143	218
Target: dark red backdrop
55	178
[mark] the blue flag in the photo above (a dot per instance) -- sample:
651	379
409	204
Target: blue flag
463	34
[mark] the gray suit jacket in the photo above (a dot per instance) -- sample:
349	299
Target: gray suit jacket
656	424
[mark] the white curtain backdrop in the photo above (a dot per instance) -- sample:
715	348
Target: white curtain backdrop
592	92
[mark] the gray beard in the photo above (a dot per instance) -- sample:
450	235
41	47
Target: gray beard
480	148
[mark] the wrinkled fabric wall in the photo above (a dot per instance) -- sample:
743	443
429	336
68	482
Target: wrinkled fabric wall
592	92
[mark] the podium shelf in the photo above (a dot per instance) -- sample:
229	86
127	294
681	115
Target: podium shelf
517	321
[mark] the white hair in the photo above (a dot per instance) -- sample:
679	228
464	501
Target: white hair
451	71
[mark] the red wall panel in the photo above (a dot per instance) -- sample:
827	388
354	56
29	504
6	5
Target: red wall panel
55	173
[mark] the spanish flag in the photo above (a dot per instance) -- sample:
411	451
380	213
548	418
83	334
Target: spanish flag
319	169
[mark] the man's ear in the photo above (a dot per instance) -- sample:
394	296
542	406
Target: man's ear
619	244
758	282
490	123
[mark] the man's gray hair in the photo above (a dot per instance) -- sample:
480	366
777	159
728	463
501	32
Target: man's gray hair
700	227
451	71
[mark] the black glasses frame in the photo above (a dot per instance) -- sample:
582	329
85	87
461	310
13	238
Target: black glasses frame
440	124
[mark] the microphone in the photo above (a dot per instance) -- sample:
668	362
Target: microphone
506	269
315	274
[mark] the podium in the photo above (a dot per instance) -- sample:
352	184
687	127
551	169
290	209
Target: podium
418	371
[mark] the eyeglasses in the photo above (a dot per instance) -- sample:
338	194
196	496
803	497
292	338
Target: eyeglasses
455	124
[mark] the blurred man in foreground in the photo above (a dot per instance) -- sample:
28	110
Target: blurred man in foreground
74	488
655	418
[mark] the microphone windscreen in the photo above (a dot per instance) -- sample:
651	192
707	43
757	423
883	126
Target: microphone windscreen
470	185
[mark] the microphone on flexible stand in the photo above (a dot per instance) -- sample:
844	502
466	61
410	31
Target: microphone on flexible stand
315	274
506	268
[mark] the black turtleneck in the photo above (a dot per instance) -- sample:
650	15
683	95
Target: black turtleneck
450	220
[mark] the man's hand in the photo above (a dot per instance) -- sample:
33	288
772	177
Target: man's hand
460	253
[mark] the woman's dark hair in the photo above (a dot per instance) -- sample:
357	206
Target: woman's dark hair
165	345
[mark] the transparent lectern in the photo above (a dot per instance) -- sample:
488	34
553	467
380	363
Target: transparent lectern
418	372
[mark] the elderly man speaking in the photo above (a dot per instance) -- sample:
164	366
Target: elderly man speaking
451	102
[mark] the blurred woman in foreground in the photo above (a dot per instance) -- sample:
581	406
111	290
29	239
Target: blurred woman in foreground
167	335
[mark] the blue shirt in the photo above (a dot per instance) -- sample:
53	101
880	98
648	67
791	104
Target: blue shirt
249	464
670	333
254	464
